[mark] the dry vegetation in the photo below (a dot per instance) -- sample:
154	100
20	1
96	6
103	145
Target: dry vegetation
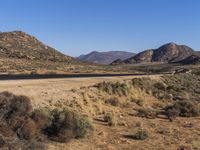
141	113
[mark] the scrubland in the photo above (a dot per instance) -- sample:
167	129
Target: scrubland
136	113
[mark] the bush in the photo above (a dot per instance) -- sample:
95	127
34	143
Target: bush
141	135
42	117
22	128
113	101
142	83
15	123
66	125
147	113
139	102
110	119
160	86
113	88
13	106
183	108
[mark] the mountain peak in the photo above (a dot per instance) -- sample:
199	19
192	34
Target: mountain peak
170	52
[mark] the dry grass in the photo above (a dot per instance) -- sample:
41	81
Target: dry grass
140	108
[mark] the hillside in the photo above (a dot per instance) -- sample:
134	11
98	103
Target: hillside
23	53
167	53
20	45
191	60
105	57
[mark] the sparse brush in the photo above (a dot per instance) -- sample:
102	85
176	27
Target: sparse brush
110	119
113	88
183	108
113	101
139	102
141	134
147	113
67	125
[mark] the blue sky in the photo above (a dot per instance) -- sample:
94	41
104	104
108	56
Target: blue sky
79	26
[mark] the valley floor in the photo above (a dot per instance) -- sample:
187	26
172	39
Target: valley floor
164	135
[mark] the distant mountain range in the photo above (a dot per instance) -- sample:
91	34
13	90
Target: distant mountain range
168	53
105	57
20	51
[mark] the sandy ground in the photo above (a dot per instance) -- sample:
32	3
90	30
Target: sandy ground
43	90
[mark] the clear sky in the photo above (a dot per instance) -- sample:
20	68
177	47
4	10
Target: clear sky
79	26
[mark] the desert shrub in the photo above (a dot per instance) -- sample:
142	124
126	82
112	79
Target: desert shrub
113	88
28	130
42	117
67	125
158	89
34	145
171	113
185	83
183	108
141	134
113	101
147	113
110	119
2	141
15	123
23	128
142	83
139	102
160	86
13	106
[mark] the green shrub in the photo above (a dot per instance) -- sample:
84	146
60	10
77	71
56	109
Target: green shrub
183	108
42	117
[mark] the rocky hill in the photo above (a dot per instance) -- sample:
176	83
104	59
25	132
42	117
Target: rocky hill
105	57
23	53
191	60
167	53
20	45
